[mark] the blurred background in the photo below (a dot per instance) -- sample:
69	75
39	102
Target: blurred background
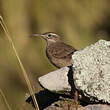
79	22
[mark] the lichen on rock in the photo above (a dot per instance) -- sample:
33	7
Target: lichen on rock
92	71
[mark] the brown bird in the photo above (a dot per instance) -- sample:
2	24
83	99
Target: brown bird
58	52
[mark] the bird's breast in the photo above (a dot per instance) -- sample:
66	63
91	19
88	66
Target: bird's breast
56	61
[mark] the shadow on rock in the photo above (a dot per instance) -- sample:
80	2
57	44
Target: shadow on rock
44	98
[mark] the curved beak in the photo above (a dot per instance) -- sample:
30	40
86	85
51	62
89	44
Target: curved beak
38	35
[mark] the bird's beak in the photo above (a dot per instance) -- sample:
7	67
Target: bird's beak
37	35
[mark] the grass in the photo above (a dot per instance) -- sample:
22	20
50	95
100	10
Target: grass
5	100
20	63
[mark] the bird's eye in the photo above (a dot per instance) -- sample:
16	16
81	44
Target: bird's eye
49	35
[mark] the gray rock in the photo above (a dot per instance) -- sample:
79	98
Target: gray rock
95	107
92	71
56	81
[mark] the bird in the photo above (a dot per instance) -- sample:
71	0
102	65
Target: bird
58	52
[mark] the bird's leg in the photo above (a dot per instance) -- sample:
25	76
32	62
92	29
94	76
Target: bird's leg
76	99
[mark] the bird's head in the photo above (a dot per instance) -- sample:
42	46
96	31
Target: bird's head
49	36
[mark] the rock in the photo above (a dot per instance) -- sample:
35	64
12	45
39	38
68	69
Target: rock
92	71
56	81
95	107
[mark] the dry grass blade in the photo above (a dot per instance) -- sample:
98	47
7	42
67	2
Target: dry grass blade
20	63
2	94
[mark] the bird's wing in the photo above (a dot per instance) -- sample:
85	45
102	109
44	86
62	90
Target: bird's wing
62	50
